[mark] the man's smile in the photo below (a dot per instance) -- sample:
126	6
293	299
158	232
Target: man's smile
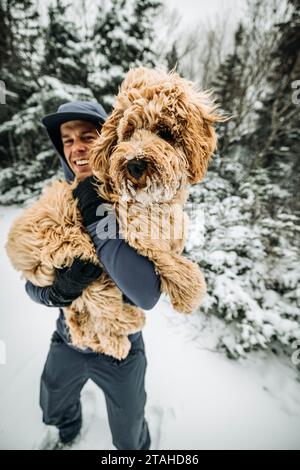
80	162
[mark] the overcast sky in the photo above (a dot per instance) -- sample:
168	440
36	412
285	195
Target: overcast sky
191	11
195	10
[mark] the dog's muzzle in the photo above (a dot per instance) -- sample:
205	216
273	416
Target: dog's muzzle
136	168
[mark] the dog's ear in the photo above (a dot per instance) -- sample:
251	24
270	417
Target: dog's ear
103	146
199	139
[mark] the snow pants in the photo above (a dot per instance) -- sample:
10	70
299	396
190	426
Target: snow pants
67	370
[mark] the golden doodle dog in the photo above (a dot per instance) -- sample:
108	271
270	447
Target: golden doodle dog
157	141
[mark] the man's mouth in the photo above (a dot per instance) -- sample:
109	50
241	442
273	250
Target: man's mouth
81	163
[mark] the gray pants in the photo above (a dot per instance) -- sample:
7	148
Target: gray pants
67	370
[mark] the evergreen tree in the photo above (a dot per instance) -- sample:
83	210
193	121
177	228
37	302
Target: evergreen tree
141	32
278	127
108	56
19	63
18	45
250	263
123	38
228	90
66	56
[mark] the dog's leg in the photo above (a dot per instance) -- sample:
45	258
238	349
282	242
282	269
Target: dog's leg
108	310
99	319
182	280
147	231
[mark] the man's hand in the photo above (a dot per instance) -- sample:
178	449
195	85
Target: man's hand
70	282
88	200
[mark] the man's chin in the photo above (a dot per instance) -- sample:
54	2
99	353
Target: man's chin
81	175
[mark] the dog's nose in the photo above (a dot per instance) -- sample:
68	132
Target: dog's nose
136	168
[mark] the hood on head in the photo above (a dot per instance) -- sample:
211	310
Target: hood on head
75	110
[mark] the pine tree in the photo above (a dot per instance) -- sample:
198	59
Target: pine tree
65	53
250	264
228	90
142	32
28	153
19	63
18	45
123	38
278	127
108	36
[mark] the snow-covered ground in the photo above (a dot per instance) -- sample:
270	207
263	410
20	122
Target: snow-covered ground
197	398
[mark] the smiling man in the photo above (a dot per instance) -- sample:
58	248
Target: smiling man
77	137
72	130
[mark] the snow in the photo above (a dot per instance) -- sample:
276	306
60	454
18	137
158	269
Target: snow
197	398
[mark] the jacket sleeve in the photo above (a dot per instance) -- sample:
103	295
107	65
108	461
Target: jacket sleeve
39	295
133	273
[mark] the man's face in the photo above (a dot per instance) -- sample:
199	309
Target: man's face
77	138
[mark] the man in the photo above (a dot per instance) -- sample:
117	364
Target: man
72	130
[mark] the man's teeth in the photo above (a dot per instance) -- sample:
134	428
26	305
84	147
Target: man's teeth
81	162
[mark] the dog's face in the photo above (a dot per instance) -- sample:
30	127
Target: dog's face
159	136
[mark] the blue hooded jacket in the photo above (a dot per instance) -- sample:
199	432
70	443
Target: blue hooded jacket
133	273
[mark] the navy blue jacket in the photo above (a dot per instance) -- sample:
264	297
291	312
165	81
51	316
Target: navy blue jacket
132	273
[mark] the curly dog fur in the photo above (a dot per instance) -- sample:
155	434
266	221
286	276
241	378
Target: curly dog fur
163	121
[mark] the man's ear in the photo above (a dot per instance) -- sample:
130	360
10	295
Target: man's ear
199	139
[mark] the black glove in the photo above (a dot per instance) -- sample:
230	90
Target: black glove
70	282
88	200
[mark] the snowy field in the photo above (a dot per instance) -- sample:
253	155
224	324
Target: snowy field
197	398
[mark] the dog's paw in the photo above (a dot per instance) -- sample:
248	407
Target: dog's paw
183	281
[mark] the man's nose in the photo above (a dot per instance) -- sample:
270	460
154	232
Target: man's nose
79	146
136	168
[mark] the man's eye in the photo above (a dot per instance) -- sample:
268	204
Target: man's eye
66	142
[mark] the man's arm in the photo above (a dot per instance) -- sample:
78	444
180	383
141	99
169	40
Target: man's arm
133	273
39	295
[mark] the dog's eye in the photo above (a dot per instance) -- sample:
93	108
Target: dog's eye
127	135
128	131
164	133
